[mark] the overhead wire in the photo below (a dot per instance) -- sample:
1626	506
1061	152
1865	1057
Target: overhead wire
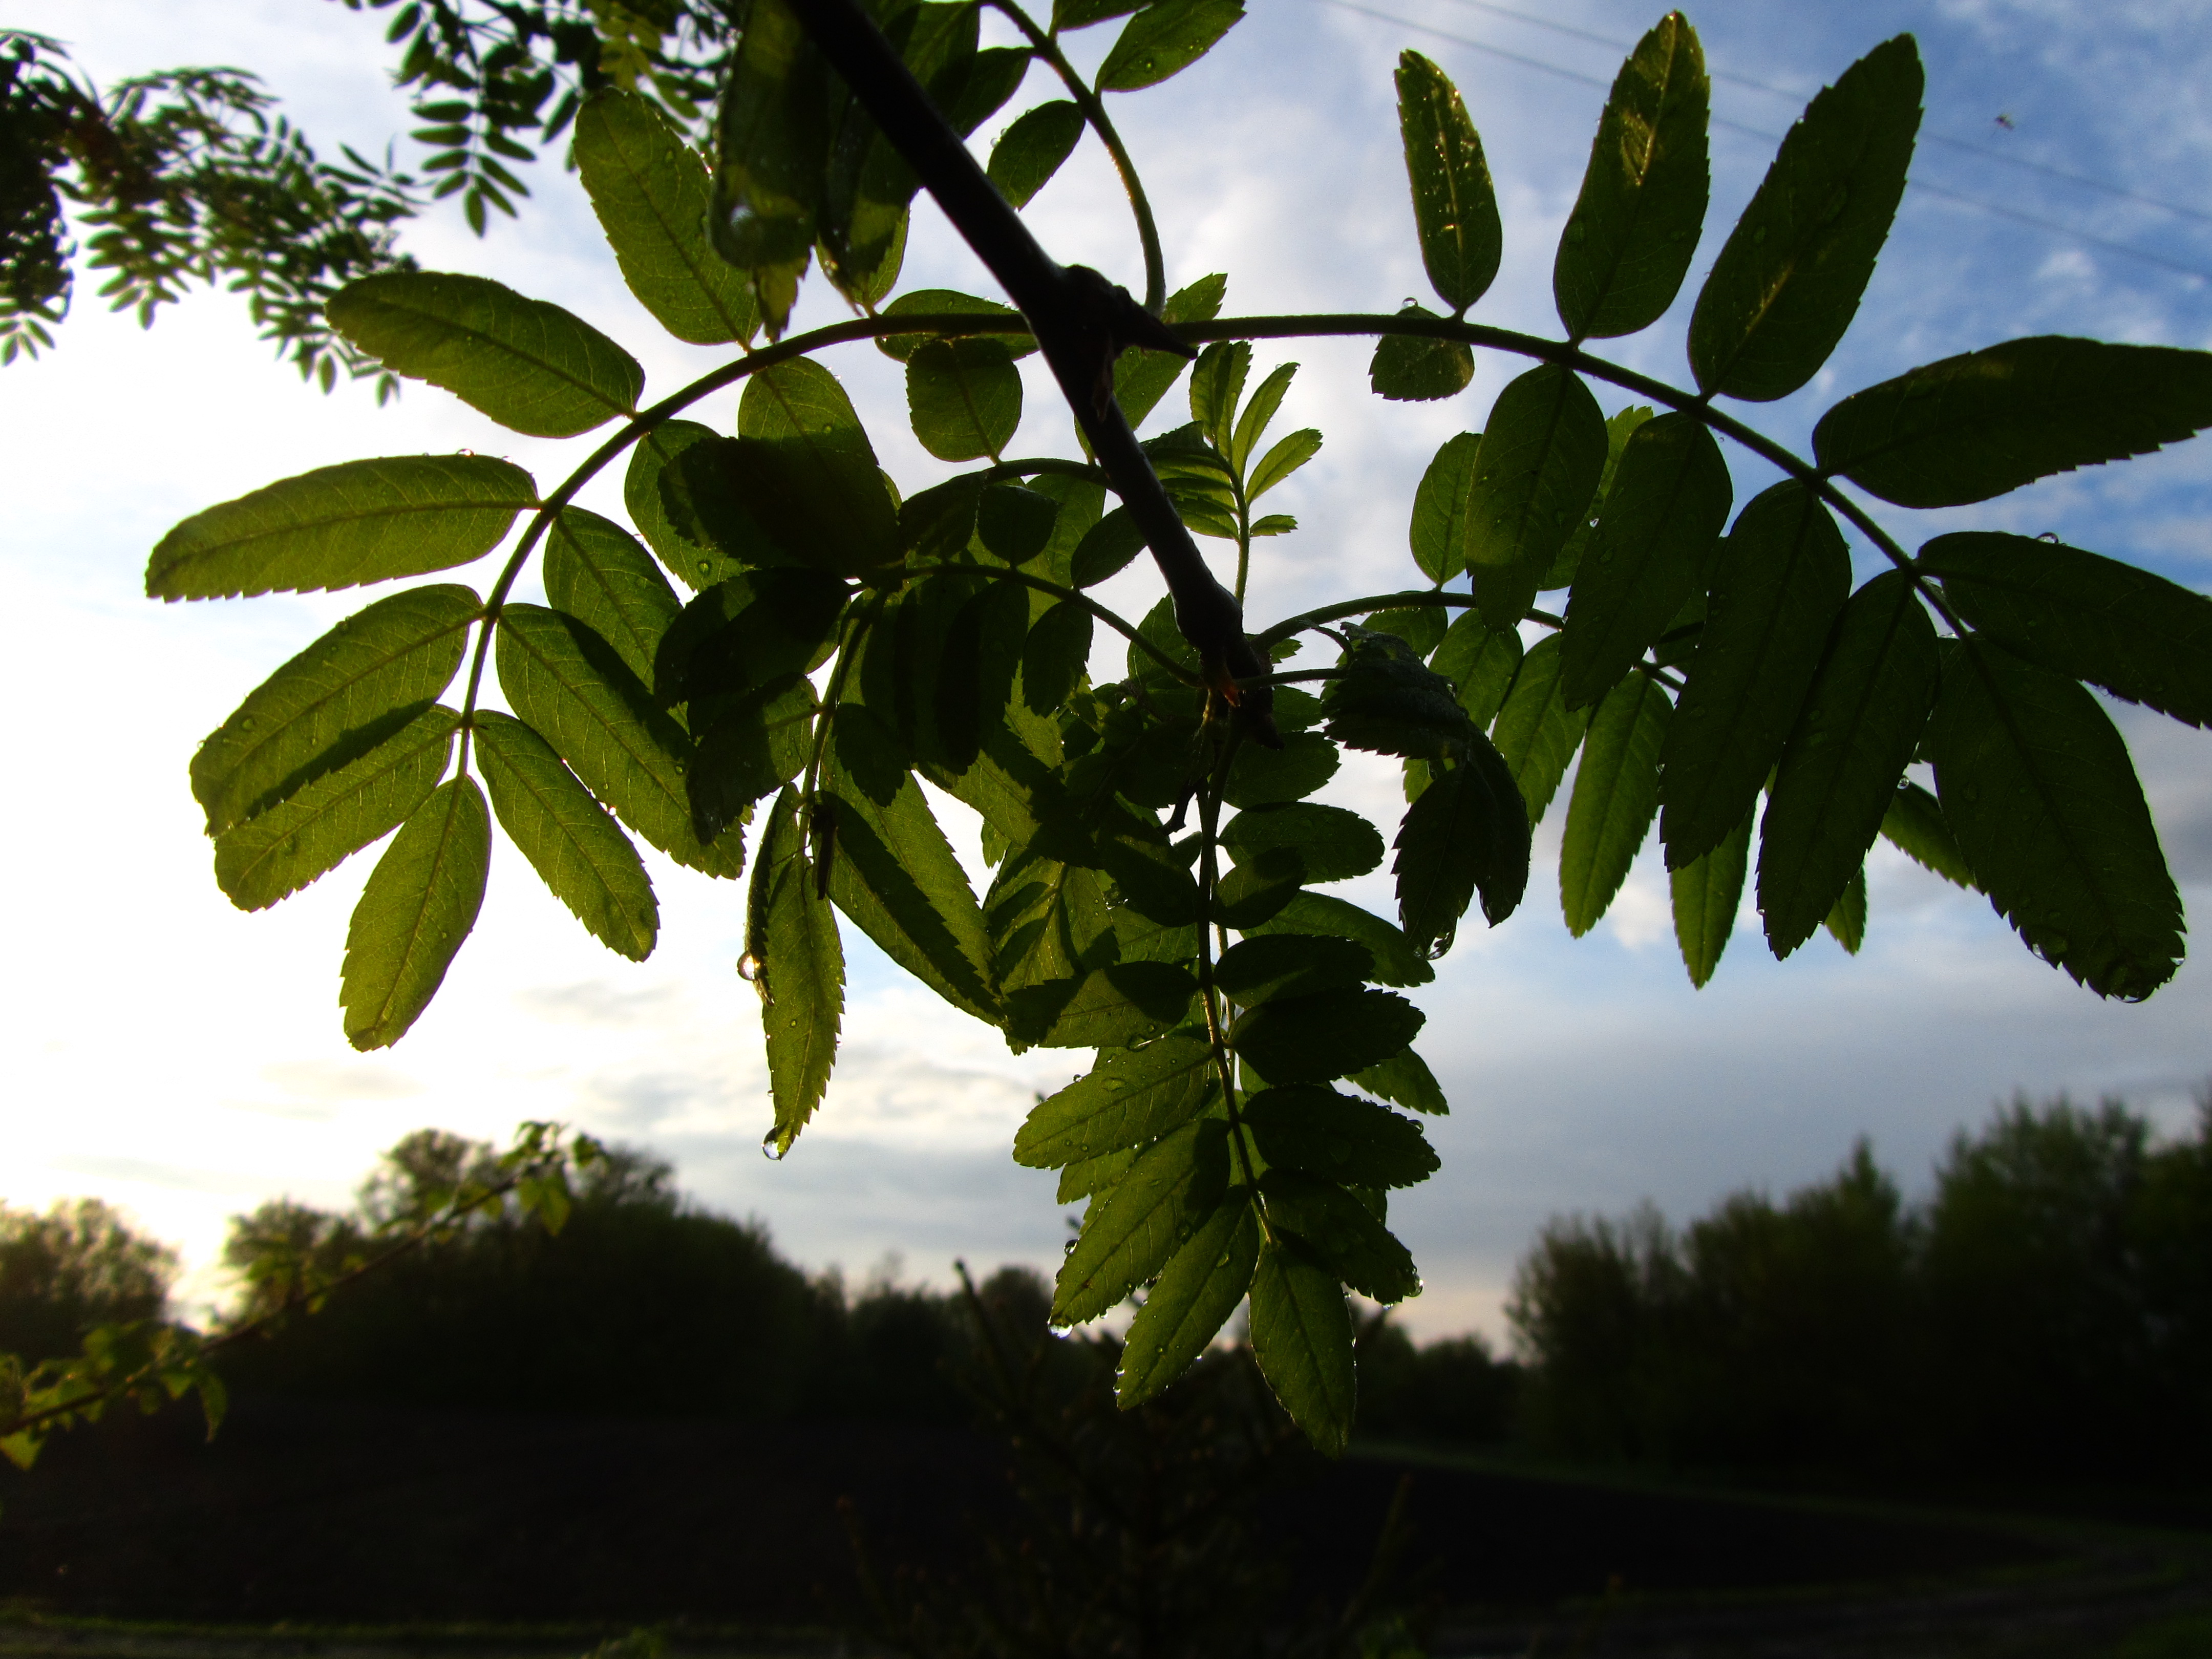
2123	249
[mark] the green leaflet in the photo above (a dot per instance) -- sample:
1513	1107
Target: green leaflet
1620	427
894	874
1437	534
1861	722
1252	425
698	541
1131	1098
1615	797
1388	700
1396	961
1283	458
798	966
576	848
1055	655
944	302
1046	920
982	651
1081	14
1253	892
1415	369
1197	1290
565	682
1789	281
650	191
2037	787
1466	833
1334	1137
1105	549
1165	38
773	144
1136	1226
1455	207
1707	892
1421	626
1343	1234
420	903
754	628
1332	843
596	571
963	397
1332	1034
1537	469
1480	663
1653	543
1302	1341
1846	922
809	474
318	828
1267	965
1217	382
1015	523
1197	481
1406	1079
1142	377
1092	1176
2138	635
1109	1007
1079	504
1536	731
1031	149
1914	823
1781	577
1290	773
532	367
337	700
1628	242
1976	425
338	527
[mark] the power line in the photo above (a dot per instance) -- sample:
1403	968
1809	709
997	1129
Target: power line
1996	208
1796	96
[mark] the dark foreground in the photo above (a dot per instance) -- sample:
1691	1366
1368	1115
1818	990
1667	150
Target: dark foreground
558	1530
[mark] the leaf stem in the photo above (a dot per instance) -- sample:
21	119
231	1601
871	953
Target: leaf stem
1094	110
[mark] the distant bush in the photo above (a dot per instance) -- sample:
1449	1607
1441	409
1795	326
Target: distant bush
2047	1314
77	1266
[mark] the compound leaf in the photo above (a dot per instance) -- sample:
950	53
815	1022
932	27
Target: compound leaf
338	527
419	905
532	367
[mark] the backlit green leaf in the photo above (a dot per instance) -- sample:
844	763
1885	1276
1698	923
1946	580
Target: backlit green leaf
342	697
596	571
694	538
1860	723
897	877
1130	1098
1467	833
577	850
2037	786
944	302
569	683
1707	892
1397	962
1109	1007
1536	731
1081	14
1333	843
1789	281
1619	426
1217	383
747	748
1015	523
1616	795
1128	1234
983	652
1031	149
1258	409
1302	1341
1283	458
1106	548
1779	579
809	473
963	397
1406	1079
1198	1289
773	142
1481	662
755	627
2138	635
1142	377
1414	368
1438	531
1976	425
650	190
420	903
1055	655
312	831
1654	542
1388	700
1914	823
798	966
532	367
1092	1176
1321	1132
1343	1234
1535	472
1163	38
363	521
1455	206
1628	242
1267	965
1846	922
1332	1034
1046	920
1306	761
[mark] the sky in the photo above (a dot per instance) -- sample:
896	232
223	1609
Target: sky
184	1060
